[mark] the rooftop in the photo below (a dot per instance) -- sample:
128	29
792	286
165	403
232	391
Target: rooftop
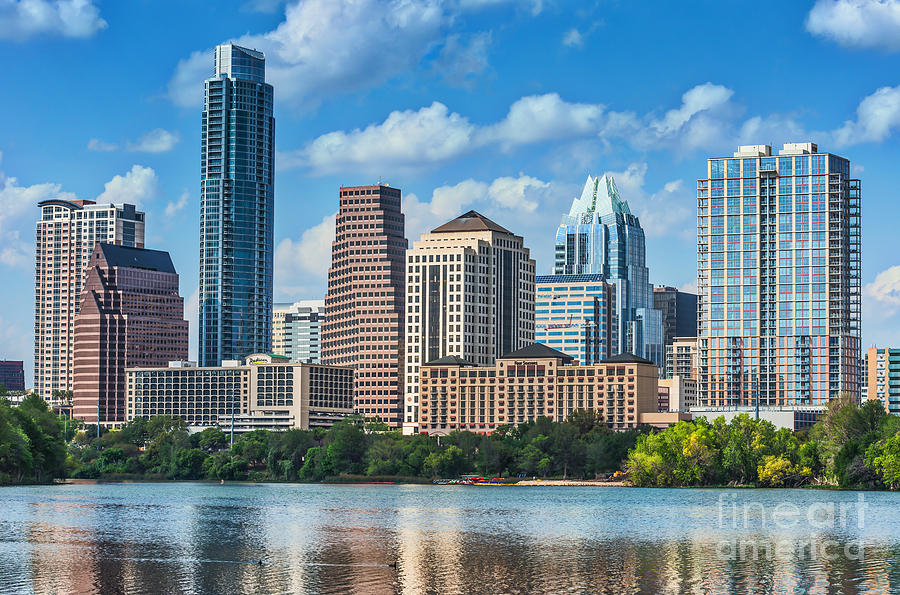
450	360
137	258
471	221
538	351
601	196
626	358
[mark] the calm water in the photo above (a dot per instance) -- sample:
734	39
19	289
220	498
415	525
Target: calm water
207	538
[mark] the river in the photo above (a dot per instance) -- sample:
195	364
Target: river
370	539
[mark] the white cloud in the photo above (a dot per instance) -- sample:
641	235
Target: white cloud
877	116
172	208
303	264
405	139
539	118
327	47
573	38
668	212
155	141
885	289
23	19
136	186
95	144
857	23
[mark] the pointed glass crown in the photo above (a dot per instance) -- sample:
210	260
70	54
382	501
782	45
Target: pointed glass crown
600	196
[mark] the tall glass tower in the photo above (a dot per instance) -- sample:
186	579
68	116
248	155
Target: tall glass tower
237	176
601	236
778	266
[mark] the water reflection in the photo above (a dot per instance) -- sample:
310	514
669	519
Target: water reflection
206	538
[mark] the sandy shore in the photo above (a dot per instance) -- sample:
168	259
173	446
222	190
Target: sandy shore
570	482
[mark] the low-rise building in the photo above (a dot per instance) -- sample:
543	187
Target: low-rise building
262	392
533	382
678	393
883	377
791	417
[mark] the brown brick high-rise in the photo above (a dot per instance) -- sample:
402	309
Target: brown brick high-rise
364	308
131	316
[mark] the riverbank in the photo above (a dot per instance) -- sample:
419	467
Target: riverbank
570	482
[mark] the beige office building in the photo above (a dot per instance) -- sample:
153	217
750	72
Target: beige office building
262	392
679	393
533	382
470	294
65	238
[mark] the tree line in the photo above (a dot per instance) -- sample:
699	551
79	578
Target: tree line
851	446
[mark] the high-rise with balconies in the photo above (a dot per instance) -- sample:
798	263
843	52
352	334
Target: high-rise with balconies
779	278
65	237
237	177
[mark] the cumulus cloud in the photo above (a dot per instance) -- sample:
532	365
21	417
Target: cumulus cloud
539	118
857	23
173	208
509	197
885	289
877	116
23	19
327	47
668	211
138	185
406	138
303	263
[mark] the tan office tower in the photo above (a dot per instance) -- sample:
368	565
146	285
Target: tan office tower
131	316
470	295
365	301
65	237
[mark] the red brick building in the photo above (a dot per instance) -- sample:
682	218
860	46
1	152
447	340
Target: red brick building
364	307
131	316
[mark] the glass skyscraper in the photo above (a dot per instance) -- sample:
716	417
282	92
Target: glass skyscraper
237	178
601	236
779	281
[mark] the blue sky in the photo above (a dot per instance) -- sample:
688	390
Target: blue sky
499	105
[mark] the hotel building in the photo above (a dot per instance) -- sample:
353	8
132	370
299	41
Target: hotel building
883	371
535	381
364	307
778	262
131	315
262	392
470	294
576	314
237	207
601	236
65	237
297	330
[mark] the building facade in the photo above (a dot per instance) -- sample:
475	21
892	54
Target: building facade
131	315
679	312
261	392
576	314
237	202
65	238
470	294
364	307
601	236
679	394
883	377
297	330
12	374
533	382
681	357
778	263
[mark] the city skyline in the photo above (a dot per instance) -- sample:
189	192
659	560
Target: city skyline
149	157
